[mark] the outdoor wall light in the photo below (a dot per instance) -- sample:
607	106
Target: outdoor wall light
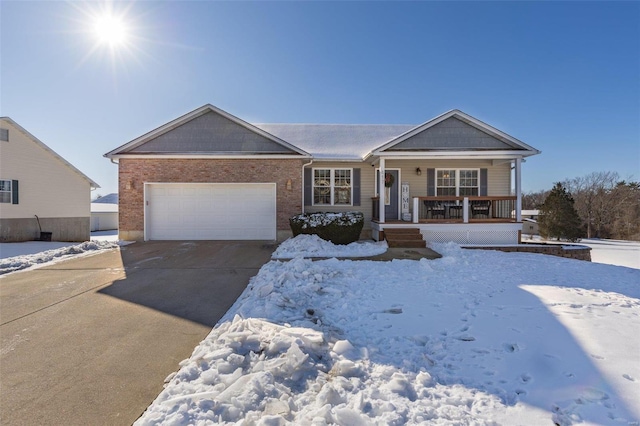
289	185
418	171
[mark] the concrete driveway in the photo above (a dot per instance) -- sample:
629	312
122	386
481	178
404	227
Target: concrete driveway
90	341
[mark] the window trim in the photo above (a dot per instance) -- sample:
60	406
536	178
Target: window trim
457	170
10	191
332	186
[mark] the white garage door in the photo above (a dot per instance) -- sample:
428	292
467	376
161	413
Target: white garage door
210	211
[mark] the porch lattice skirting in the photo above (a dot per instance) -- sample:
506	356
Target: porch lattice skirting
472	236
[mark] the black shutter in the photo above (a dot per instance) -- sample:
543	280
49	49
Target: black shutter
431	182
356	187
483	183
14	192
308	180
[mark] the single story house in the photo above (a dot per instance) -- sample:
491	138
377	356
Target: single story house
211	175
40	192
530	222
104	213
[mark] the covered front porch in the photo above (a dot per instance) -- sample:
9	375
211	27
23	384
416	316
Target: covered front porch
484	209
463	220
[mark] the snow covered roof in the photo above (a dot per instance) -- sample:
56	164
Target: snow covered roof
337	141
209	132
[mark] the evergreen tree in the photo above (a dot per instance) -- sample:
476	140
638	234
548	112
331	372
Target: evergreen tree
558	216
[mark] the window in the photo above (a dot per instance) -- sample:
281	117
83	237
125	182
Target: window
332	186
468	183
5	191
457	182
4	135
446	182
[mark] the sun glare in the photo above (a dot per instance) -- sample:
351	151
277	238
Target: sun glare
110	30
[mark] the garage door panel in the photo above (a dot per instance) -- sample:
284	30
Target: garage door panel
210	211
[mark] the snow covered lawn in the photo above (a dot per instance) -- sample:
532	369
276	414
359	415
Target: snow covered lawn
29	254
476	337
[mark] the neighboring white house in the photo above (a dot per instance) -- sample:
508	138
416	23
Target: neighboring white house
35	181
104	213
530	222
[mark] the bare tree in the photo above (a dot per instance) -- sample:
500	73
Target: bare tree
533	200
592	195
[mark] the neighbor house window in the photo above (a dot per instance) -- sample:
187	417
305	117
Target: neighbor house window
457	182
4	135
5	191
332	186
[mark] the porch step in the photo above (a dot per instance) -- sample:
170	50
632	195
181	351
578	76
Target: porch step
404	237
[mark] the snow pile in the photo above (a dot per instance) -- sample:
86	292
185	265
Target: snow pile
477	337
17	263
314	246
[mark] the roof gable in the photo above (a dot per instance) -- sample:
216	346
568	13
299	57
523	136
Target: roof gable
451	134
42	145
455	131
209	131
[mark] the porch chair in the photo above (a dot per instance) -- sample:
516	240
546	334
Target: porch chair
455	211
480	207
435	208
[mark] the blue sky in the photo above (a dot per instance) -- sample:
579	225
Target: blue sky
563	77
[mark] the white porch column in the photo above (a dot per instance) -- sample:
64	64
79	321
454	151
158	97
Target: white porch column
465	210
381	191
415	209
518	178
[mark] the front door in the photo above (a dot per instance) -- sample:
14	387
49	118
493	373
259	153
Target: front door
390	187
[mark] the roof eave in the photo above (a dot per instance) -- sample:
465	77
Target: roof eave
92	184
489	155
210	156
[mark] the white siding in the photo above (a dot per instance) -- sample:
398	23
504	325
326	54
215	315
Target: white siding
47	186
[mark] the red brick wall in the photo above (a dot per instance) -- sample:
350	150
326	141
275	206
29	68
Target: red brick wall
133	173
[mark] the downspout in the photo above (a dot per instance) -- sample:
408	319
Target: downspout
302	189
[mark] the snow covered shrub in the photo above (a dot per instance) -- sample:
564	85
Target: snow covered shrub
339	228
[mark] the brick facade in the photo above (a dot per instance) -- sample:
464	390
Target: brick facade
134	173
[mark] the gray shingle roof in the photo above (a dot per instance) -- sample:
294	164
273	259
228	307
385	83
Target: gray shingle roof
108	199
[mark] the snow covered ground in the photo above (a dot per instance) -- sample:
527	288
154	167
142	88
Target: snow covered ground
476	337
31	254
314	246
611	252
